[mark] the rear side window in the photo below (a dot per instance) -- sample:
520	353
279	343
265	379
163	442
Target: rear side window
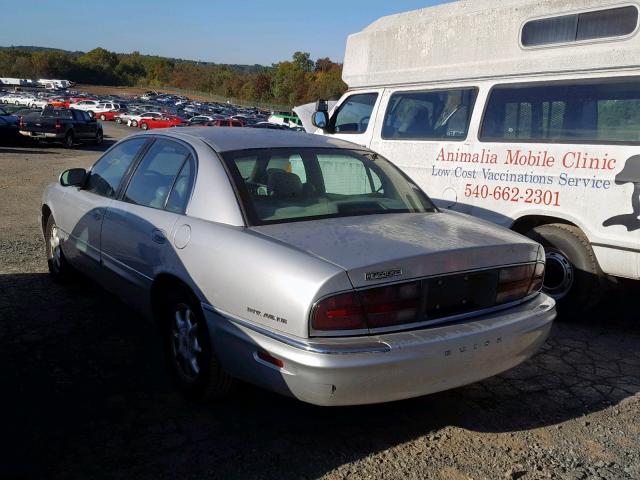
432	115
354	114
179	196
584	112
156	173
609	23
345	175
107	173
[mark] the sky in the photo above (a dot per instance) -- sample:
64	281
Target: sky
232	31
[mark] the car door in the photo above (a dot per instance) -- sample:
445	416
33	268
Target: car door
138	227
81	211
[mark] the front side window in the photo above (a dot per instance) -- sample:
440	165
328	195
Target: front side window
432	115
105	176
155	175
582	112
287	184
354	114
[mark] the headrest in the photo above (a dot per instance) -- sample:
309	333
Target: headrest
282	184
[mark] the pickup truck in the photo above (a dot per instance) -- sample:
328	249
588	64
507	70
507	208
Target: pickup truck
62	124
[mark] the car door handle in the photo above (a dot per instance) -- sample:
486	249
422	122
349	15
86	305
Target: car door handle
158	236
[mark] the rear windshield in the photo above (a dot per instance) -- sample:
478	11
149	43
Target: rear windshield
286	185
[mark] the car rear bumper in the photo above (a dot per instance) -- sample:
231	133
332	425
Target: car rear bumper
382	368
44	135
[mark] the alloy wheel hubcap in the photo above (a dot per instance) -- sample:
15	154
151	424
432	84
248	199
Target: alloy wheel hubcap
54	245
184	340
559	275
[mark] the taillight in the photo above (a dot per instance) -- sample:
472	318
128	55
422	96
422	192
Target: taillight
340	312
392	305
521	281
58	126
21	123
402	303
373	308
514	282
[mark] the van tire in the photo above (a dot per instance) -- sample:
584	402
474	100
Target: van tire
572	277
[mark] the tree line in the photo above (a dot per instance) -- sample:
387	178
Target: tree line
293	82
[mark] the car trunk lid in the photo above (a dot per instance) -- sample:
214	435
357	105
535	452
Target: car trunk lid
379	249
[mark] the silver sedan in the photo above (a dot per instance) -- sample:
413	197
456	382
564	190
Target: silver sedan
306	265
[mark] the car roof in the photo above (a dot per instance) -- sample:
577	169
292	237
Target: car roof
226	139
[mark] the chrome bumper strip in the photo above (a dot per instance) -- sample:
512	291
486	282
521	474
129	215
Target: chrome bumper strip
313	347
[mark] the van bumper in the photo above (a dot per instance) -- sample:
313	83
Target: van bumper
382	368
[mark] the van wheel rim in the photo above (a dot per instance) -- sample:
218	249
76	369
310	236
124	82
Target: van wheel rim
184	342
559	275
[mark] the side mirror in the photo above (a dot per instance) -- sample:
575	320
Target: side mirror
320	119
74	177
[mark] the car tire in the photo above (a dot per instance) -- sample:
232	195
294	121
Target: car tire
134	123
69	140
118	120
59	268
99	137
103	117
192	360
144	126
572	277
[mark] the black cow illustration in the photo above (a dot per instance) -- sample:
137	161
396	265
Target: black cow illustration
629	174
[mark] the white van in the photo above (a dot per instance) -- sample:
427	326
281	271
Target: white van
521	112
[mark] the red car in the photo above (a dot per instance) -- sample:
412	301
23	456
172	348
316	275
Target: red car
64	102
108	115
160	122
225	123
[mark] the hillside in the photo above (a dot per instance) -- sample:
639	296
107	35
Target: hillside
291	82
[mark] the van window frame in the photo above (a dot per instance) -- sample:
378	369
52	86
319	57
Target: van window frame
338	108
549	140
476	89
574	43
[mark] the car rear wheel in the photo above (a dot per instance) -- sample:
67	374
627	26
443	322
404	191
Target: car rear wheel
118	120
192	361
69	140
144	126
572	276
134	123
103	117
99	137
59	268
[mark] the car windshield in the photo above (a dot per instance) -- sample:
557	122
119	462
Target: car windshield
287	184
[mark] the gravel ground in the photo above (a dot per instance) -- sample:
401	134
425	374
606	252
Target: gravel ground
86	395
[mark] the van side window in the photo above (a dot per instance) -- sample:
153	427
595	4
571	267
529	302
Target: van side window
582	112
612	22
432	115
354	114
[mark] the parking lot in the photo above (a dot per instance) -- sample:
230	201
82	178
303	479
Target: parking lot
86	395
